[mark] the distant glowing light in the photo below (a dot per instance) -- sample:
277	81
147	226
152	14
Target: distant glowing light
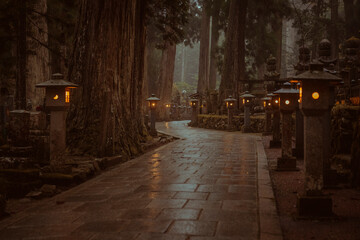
56	97
276	101
67	96
315	95
287	102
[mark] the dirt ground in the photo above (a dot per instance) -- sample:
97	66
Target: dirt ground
287	186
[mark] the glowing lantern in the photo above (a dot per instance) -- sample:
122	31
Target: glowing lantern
230	102
153	101
57	96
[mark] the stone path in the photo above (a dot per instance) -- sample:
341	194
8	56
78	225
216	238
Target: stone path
207	185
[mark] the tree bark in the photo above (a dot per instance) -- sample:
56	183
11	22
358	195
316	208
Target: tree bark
21	55
350	23
334	38
203	75
38	60
233	73
105	117
166	77
214	43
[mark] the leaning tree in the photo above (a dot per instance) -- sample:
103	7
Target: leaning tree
108	63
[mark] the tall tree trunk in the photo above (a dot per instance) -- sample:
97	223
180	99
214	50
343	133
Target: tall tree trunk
214	43
233	74
20	95
38	59
334	38
166	77
279	38
350	24
203	75
108	63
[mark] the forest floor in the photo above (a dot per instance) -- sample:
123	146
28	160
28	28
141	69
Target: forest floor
288	185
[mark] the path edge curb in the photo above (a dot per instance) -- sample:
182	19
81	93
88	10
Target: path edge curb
269	222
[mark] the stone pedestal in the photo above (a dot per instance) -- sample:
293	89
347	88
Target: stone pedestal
230	125
287	162
298	152
267	130
19	128
194	117
152	122
246	127
57	134
314	203
276	141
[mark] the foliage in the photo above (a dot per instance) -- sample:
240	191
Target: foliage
263	22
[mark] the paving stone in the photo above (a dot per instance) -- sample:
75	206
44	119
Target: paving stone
200	228
201	187
179	214
166	203
191	195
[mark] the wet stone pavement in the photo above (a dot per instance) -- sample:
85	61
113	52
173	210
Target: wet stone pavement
203	186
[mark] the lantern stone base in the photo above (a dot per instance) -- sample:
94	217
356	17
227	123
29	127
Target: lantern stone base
314	206
275	144
286	164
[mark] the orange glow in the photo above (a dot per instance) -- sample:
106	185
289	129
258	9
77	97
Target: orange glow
300	94
243	101
67	96
247	100
269	104
287	102
315	95
56	97
264	104
153	104
231	104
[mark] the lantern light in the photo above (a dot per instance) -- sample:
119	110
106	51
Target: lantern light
57	92
152	101
287	102
230	102
315	95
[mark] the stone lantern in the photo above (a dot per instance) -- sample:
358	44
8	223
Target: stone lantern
195	109
288	103
57	101
167	111
268	111
152	104
275	104
247	100
230	105
315	97
298	152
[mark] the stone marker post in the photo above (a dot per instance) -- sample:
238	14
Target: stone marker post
288	102
230	105
268	112
152	104
276	138
314	104
195	110
57	101
247	100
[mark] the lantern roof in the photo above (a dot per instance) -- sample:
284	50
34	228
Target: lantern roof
267	98
230	99
271	95
247	95
57	80
153	98
286	89
316	72
194	100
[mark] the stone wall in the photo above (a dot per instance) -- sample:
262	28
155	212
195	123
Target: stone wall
219	122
